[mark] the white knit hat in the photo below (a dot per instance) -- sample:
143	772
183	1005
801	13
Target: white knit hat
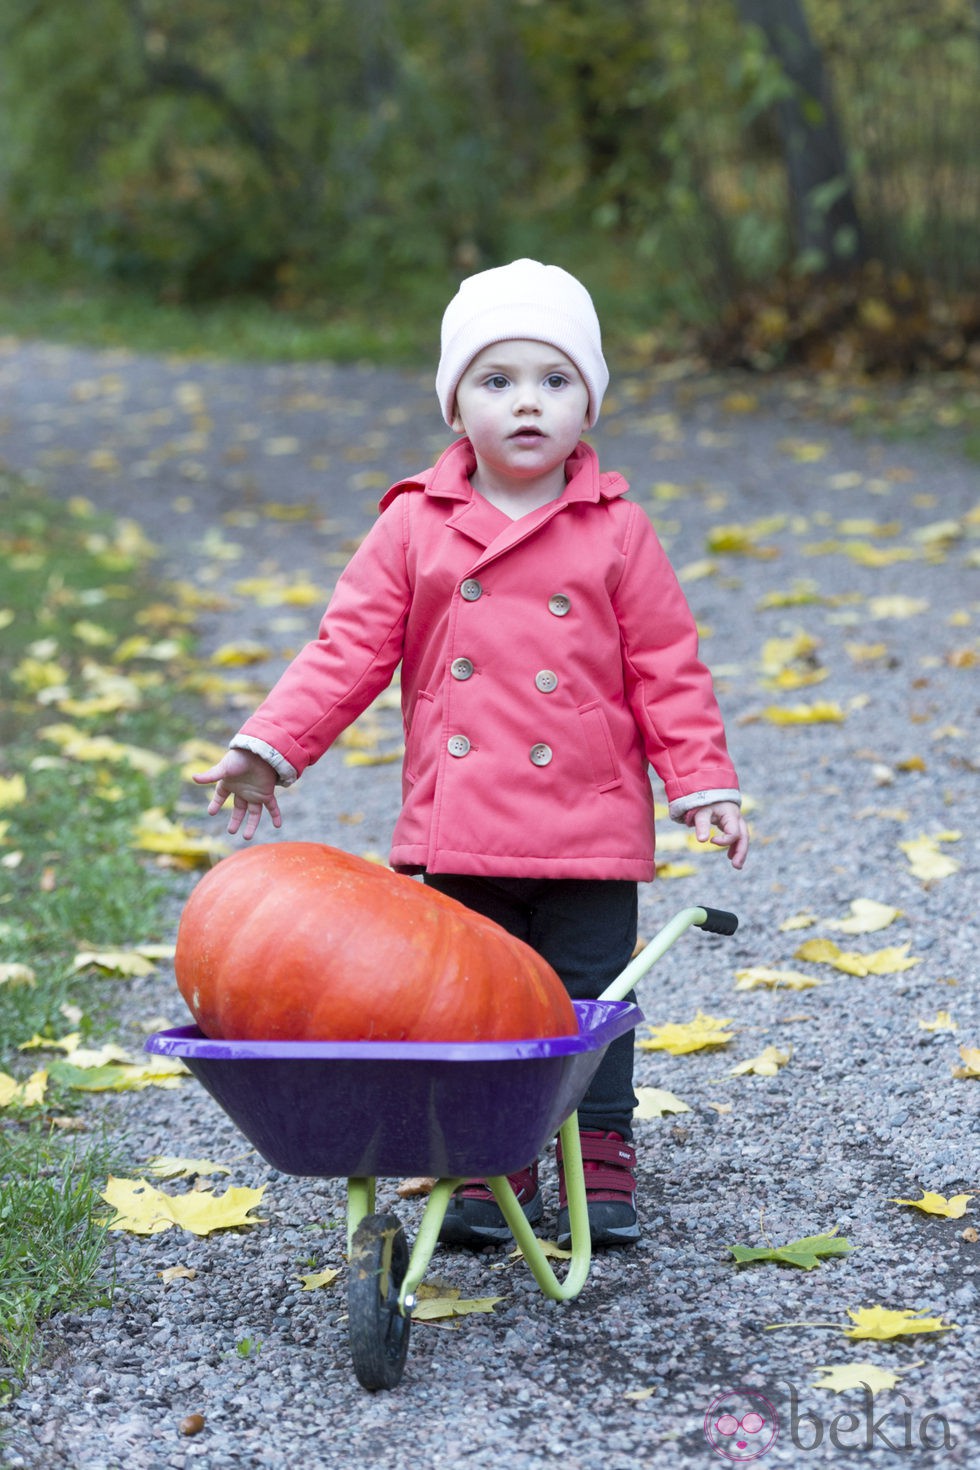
540	303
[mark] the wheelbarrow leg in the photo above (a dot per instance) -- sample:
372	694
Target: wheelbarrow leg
578	1211
360	1203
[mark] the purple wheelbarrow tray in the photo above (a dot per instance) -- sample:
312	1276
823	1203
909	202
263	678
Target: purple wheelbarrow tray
389	1109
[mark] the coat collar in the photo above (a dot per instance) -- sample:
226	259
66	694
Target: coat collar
449	479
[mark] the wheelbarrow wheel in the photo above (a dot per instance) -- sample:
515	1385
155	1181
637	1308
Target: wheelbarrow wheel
378	1331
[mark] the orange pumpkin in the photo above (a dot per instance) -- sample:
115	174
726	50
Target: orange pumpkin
297	941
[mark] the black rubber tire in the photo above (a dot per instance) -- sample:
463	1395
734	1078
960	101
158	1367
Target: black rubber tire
378	1332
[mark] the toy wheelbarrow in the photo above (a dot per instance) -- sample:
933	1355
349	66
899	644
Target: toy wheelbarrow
364	1110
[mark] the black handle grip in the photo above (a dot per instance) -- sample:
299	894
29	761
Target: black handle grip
717	921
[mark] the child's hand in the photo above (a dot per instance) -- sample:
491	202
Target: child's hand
251	781
732	827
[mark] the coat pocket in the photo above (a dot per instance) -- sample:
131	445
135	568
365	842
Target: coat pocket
416	734
602	751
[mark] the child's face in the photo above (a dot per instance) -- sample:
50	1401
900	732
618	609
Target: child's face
523	406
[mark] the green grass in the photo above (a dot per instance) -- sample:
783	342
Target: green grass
74	594
42	298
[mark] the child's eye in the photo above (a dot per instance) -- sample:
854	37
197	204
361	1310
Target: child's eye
556	380
496	380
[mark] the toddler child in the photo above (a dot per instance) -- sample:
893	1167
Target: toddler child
548	657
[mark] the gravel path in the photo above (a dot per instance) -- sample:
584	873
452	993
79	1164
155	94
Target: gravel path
208	458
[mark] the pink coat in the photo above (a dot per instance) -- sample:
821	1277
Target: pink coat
546	662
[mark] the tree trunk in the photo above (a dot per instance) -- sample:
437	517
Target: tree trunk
826	225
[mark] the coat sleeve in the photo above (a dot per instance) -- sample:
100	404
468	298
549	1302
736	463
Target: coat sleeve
333	679
669	689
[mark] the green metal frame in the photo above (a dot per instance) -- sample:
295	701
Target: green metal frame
361	1192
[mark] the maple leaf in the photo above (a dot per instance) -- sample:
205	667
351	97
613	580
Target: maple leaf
953	1208
971	1060
881	962
867	916
943	1022
123	962
882	1323
156	833
821	712
679	1038
806	1253
761	975
654	1102
442	1308
767	1064
29	1094
926	860
171	1166
142	1210
317	1279
839	1377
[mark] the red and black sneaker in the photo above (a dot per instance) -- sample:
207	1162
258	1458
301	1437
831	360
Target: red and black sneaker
609	1163
474	1218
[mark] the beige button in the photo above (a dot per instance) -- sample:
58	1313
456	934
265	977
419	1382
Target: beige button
546	680
559	604
471	590
458	745
461	668
541	754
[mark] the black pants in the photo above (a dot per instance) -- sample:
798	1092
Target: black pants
586	929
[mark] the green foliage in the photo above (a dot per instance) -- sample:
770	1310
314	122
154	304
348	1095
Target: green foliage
334	156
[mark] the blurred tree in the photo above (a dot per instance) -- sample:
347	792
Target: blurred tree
827	230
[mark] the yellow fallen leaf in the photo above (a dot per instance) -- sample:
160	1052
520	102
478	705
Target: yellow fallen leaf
123	962
780	653
155	832
92	1057
971	1062
314	1280
654	1102
637	1395
240	655
27	1094
50	1043
171	1166
549	1248
943	1022
757	976
896	606
677	870
441	1308
839	1377
798	921
926	860
821	712
803	451
142	1210
882	1323
372	758
102	749
867	916
766	1064
679	1038
13	973
953	1208
882	962
13	791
